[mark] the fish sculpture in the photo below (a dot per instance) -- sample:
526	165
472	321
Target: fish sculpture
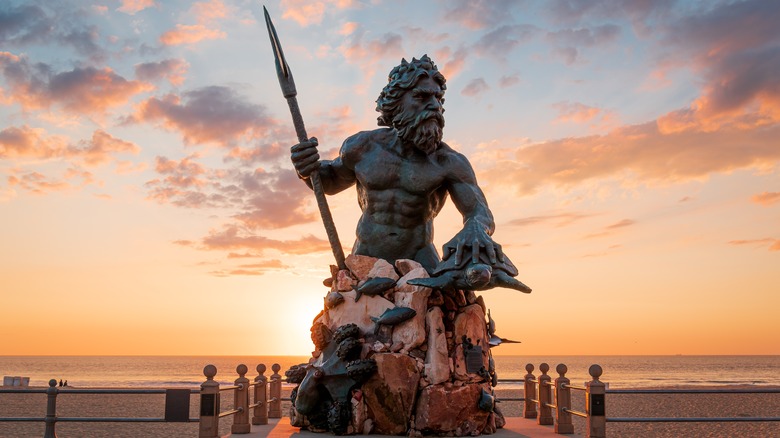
333	299
487	402
374	286
394	316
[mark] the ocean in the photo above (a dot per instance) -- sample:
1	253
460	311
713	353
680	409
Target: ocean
187	371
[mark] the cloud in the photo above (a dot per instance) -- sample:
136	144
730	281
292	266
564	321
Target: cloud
171	69
190	34
23	25
766	198
585	37
610	229
637	152
509	80
213	114
738	68
363	50
134	6
101	148
770	243
261	199
306	12
40	184
259	268
504	39
27	142
621	224
575	112
475	87
86	90
478	14
232	238
557	219
206	12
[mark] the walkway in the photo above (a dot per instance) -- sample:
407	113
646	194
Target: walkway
516	427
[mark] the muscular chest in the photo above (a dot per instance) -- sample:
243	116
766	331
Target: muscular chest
385	170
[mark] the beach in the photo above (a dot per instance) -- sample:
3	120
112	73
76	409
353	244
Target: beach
618	405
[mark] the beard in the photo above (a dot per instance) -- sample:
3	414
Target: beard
424	130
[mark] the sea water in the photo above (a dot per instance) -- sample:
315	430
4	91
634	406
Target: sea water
187	371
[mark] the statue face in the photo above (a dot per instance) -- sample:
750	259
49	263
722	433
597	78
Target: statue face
420	120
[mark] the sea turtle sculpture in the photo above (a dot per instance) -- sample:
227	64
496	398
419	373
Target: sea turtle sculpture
468	275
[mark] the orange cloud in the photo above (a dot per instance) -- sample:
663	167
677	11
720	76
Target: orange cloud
39	184
306	12
575	112
82	90
172	69
642	152
231	238
211	114
208	11
558	219
772	244
189	34
27	142
766	198
102	146
133	6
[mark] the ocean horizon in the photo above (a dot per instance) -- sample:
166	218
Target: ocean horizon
619	371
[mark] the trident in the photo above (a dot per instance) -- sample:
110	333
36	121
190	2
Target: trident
288	91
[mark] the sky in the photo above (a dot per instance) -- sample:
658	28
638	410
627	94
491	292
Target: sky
629	152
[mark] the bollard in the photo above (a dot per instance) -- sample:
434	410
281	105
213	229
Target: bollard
545	413
51	410
529	406
595	404
275	404
260	414
563	424
241	402
209	404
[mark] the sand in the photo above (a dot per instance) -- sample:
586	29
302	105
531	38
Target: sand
618	405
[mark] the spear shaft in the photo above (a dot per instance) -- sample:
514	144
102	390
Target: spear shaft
288	90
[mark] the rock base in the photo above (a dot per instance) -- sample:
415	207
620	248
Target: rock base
430	368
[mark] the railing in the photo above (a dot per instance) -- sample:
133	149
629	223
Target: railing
177	403
544	395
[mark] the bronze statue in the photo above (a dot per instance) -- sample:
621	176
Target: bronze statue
404	173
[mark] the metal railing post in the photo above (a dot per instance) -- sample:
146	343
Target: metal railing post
241	402
209	404
563	424
260	414
545	396
275	404
51	410
529	405
595	404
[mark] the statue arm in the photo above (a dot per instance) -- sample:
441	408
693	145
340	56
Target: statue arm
478	223
335	175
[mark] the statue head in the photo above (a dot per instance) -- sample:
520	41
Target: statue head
420	126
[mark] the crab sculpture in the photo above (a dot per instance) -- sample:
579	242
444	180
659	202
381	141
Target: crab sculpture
323	395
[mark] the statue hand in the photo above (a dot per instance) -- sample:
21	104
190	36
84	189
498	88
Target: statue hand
305	157
475	236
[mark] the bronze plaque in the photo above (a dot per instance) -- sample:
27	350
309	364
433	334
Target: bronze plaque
473	358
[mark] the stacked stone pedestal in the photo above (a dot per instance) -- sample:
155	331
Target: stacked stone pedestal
433	370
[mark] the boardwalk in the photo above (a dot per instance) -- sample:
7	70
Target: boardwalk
516	427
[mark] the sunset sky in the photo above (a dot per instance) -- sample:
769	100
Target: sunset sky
629	151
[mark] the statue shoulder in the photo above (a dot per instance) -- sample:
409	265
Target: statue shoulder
449	156
358	144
